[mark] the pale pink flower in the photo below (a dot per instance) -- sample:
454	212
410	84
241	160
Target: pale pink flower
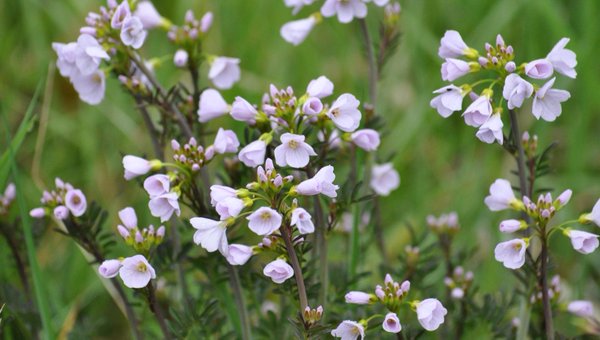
229	207
180	59
302	220
132	32
164	206
321	183
221	192
344	112
278	271
491	130
539	69
501	196
37	213
264	221
449	99
312	106
457	293
452	45
157	185
594	216
546	102
321	87
582	308
384	179
430	314
367	139
391	323
563	198
359	298
148	15
128	217
346	10
206	22
511	253
67	54
226	141
253	154
61	212
582	241
296	31
210	234
516	90
224	72
293	151
89	54
76	202
122	12
379	3
211	106
478	112
136	272
511	226
90	87
453	69
243	111
349	330
297	4
563	60
109	268
239	254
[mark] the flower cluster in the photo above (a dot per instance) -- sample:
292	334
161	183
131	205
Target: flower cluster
268	204
541	212
459	282
391	294
445	224
296	31
63	201
7	198
135	271
486	109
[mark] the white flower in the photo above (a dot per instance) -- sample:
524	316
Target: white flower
296	31
391	323
264	221
478	112
253	154
243	111
279	271
501	196
132	32
164	206
224	72
293	151
180	59
136	272
582	241
384	179
491	130
581	308
90	87
367	139
359	298
346	10
453	69
238	254
229	207
89	54
302	220
539	69
320	88
515	90
450	99
297	4
75	201
135	166
511	226
563	60
148	14
430	313
349	330
211	235
109	268
67	54
321	183
122	12
546	102
511	253
211	105
344	113
226	141
452	45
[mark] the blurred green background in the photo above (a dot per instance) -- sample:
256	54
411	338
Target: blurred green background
442	164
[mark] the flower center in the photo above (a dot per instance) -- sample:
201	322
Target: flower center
265	215
141	267
75	200
335	112
292	144
517	246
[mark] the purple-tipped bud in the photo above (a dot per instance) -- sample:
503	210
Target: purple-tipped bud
195	167
37	213
448	281
266	242
499	40
109	268
206	22
379	292
510	67
160	232
388	279
494	60
359	298
124	232
510	226
61	212
175	145
189	16
180	59
138	237
564	197
269	164
509	49
545	213
482	61
405	286
278	181
209	153
488	47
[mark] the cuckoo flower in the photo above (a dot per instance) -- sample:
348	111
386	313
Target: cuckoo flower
491	130
563	60
344	113
293	151
75	201
349	330
279	271
449	99
238	254
581	308
501	196
302	220
132	32
391	323
539	69
295	32
430	314
346	10
211	106
321	87
210	234
582	241
264	221
224	72
516	90
366	139
226	141
321	183
546	102
243	111
109	268
136	272
511	253
384	179
253	154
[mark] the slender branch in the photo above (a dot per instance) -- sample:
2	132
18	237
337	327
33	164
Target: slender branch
234	281
516	135
154	136
373	75
157	310
548	323
286	234
320	232
137	334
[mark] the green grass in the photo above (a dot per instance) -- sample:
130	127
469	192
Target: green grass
442	165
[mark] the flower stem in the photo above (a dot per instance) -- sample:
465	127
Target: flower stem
234	280
373	75
286	233
320	231
156	144
548	324
516	136
157	310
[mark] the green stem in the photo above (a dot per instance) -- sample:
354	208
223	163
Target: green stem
236	287
36	273
286	234
373	75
